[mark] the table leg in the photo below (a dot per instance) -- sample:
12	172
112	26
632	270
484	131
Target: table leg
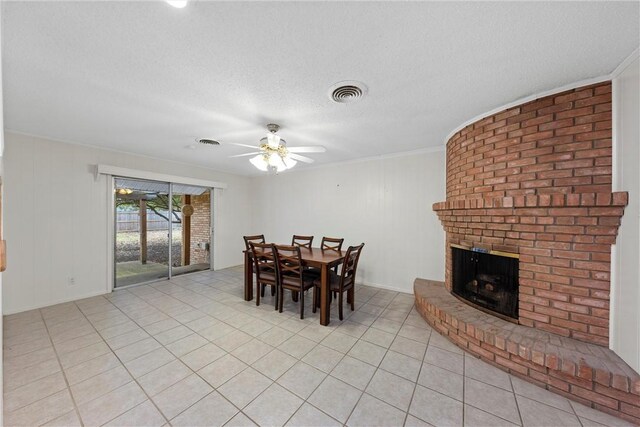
248	277
324	296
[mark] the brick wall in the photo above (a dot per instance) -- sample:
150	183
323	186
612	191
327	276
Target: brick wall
536	180
200	224
557	144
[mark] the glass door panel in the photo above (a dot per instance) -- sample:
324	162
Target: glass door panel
142	218
191	233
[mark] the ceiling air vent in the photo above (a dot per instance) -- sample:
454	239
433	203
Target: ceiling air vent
208	141
349	91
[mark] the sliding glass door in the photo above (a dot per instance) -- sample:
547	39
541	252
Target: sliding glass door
191	234
141	231
161	230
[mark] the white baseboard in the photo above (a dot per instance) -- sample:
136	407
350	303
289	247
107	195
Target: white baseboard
60	301
386	287
94	294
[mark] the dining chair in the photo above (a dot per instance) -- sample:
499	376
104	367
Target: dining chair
332	243
343	282
257	238
292	275
303	241
266	270
329	244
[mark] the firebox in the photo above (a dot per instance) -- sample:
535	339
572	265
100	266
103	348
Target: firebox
486	280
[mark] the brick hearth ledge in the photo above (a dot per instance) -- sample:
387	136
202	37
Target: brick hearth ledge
587	373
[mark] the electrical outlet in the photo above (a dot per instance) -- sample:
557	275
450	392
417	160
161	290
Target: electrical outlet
72	281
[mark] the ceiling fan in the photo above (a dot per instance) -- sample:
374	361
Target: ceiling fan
274	155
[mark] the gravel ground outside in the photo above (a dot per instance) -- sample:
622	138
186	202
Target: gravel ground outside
128	246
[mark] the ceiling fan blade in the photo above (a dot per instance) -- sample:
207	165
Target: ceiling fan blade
246	154
239	145
301	158
309	149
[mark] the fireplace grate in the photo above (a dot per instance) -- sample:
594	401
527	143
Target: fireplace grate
486	280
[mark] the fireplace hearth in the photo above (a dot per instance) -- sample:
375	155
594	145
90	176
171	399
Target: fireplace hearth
487	281
535	180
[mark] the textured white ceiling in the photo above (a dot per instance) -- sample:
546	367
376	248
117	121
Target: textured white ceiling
146	78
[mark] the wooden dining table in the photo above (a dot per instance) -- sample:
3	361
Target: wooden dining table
323	259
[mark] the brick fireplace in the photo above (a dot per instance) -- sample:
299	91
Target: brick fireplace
534	181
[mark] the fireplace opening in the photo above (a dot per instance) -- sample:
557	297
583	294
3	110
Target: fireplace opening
486	280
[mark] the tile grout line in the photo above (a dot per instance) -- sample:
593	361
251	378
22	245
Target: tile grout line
64	374
125	368
305	400
239	307
516	400
415	387
464	385
328	374
377	367
195	372
317	343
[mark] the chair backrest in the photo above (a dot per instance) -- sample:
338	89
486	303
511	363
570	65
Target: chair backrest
331	243
350	265
289	262
303	241
258	238
263	255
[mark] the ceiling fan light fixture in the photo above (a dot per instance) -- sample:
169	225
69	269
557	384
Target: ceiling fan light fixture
273	141
260	163
178	4
274	156
289	162
275	161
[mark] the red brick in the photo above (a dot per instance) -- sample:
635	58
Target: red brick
599	99
594	397
633	410
598	134
510	365
573	96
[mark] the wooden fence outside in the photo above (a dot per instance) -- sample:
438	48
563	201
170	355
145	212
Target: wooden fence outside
130	221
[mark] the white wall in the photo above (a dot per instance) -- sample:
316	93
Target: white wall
56	223
625	286
1	178
385	203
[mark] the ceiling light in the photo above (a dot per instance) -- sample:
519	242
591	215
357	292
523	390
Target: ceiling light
260	162
274	155
273	141
178	4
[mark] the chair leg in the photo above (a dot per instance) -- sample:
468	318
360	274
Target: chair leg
258	293
340	305
278	292
262	291
352	294
273	290
281	298
315	298
302	305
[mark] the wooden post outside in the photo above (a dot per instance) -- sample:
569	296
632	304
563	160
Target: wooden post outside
186	232
143	231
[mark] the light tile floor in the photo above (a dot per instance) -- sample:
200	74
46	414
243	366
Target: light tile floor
191	352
